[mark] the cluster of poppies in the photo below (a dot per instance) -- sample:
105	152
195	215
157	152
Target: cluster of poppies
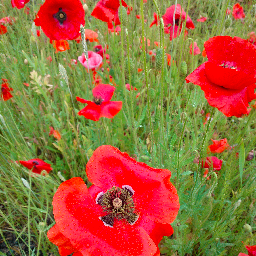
117	215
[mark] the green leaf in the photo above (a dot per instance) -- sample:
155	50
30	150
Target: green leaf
241	160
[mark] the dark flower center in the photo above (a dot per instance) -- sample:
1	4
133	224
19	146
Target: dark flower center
97	100
61	16
228	65
118	204
97	49
35	162
177	22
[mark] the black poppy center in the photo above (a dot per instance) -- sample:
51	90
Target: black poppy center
35	162
118	204
61	16
97	100
97	49
177	22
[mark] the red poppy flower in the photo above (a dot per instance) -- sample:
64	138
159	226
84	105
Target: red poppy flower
107	11
202	19
101	106
37	165
228	77
180	16
212	162
251	251
218	146
55	133
99	49
238	12
3	29
155	21
19	3
5	90
61	19
94	60
126	212
60	45
194	50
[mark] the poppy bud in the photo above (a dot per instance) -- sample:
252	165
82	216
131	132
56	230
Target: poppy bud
159	55
228	22
127	67
26	61
123	15
85	9
152	92
136	41
183	68
248	228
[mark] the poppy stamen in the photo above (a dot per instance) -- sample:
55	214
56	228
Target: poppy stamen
97	100
60	16
228	65
118	204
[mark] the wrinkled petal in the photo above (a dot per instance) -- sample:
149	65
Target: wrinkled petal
104	91
111	108
77	217
229	102
92	112
228	77
154	195
212	162
57	238
218	146
232	50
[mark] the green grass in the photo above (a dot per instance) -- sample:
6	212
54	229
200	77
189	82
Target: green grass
163	127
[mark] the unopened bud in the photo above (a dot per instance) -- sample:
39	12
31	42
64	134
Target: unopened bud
26	61
248	228
85	8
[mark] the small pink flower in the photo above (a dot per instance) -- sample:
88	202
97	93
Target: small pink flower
196	49
94	60
7	20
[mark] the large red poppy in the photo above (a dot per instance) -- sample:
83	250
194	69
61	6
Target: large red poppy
61	19
107	11
101	106
228	77
178	14
5	90
37	165
126	212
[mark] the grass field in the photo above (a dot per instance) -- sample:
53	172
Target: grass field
166	123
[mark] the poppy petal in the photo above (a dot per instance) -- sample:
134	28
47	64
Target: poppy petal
228	77
57	238
92	112
103	91
111	108
109	167
77	217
